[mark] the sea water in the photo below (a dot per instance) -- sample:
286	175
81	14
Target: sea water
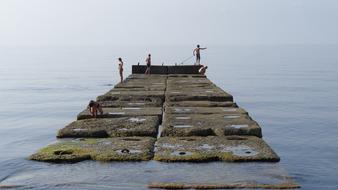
291	90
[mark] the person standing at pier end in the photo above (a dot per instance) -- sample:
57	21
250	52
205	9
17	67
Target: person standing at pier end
120	62
148	63
197	53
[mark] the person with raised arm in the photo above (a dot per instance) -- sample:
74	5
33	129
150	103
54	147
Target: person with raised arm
197	53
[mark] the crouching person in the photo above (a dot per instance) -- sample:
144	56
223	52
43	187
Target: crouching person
94	107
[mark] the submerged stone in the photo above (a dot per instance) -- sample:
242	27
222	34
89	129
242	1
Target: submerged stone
112	127
103	149
123	112
201	149
209	124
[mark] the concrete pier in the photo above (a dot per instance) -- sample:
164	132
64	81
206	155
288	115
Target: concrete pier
194	121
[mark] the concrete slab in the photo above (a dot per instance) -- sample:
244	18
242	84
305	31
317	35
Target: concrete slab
143	76
123	112
133	102
192	96
102	149
205	110
181	125
131	94
111	127
139	87
186	76
201	104
202	149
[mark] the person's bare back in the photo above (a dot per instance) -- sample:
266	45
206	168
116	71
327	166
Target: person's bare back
197	52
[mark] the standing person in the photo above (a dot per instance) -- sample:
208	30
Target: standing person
94	107
202	70
198	54
148	63
120	68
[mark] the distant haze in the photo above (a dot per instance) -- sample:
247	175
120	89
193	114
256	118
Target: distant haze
170	22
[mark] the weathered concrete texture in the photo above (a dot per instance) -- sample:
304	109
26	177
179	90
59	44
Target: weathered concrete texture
205	110
143	76
182	125
122	101
123	112
201	149
186	76
200	104
130	94
112	127
103	149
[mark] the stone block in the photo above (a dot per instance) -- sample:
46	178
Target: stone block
102	149
123	112
209	124
202	149
111	127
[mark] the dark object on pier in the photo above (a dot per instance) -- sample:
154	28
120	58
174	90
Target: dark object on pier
164	70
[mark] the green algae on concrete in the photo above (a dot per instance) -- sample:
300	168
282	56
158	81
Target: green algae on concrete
123	112
181	125
112	127
211	148
102	149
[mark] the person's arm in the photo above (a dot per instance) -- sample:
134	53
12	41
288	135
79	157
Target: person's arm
193	52
203	48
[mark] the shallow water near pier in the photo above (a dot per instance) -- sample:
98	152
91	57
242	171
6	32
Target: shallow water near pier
291	91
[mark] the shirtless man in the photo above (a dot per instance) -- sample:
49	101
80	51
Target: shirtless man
121	68
148	63
202	70
198	54
94	107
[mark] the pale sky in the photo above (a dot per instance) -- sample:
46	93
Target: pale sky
167	22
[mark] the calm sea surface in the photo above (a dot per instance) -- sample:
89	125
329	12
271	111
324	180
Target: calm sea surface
292	91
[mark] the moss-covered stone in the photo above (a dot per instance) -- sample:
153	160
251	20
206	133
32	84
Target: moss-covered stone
181	125
112	127
103	149
123	112
211	148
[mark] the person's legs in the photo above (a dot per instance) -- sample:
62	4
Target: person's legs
121	76
91	111
100	110
147	70
198	59
95	111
